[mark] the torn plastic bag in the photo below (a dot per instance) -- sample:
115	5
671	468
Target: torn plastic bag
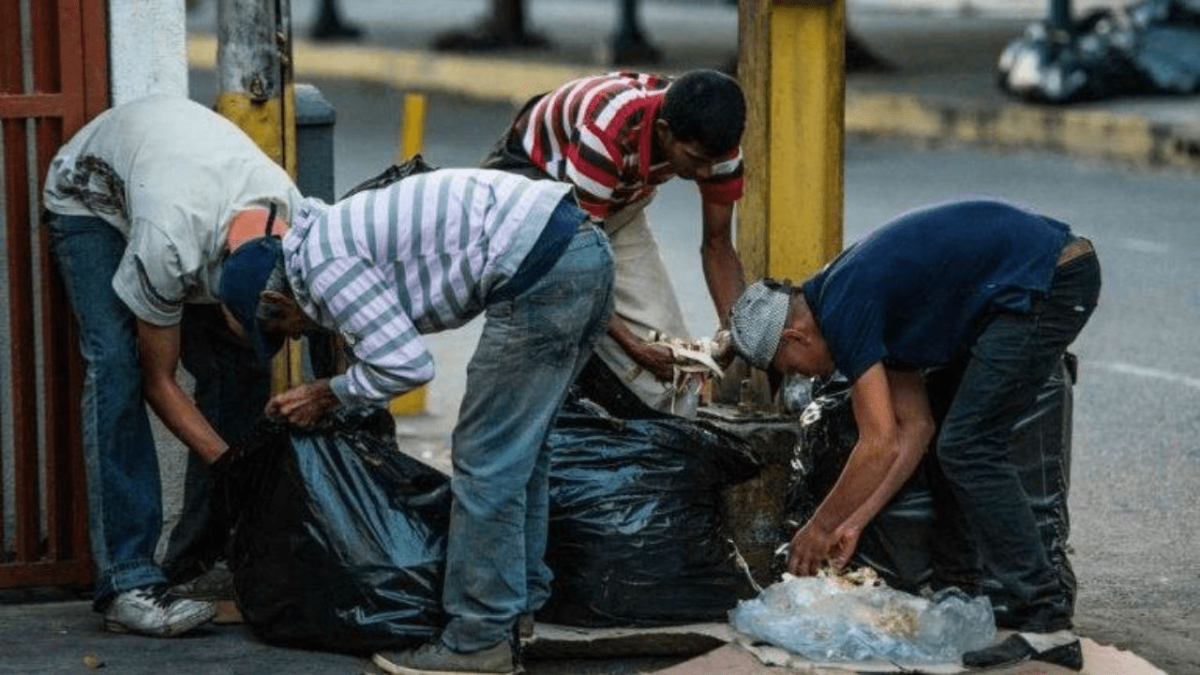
1150	47
918	538
339	539
827	619
635	532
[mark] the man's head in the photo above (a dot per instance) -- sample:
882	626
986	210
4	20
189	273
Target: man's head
701	121
254	266
244	277
773	329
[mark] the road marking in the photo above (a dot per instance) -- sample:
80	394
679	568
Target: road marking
1153	373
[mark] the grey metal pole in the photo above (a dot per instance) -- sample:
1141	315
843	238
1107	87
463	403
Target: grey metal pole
254	73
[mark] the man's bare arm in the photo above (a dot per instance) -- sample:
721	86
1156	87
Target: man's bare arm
160	349
722	268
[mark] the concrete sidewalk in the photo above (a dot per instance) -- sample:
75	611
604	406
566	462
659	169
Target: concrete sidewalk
66	637
943	88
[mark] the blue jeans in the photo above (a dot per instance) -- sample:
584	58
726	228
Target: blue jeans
531	349
121	462
1008	365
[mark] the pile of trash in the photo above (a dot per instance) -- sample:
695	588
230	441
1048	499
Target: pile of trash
1151	47
339	539
855	617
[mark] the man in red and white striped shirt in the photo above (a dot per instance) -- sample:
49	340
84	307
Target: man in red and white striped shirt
616	138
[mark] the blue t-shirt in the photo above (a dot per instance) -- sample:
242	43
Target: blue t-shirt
913	293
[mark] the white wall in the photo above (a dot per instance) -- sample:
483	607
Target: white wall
148	48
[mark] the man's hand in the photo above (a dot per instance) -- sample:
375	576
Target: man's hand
657	359
304	405
813	547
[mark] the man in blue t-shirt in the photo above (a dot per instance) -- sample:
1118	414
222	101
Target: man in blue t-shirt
997	290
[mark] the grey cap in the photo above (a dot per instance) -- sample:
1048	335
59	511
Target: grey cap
756	321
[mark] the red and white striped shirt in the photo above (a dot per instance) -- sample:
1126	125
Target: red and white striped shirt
597	133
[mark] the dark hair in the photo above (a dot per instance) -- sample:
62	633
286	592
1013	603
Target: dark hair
705	106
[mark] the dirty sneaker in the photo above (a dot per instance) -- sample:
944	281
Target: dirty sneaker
215	583
435	658
155	611
1060	648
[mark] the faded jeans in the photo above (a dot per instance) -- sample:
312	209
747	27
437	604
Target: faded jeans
124	492
1008	365
530	351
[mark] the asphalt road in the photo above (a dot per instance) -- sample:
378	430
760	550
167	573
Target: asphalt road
1137	404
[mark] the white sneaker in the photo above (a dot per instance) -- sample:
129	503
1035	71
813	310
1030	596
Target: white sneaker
155	611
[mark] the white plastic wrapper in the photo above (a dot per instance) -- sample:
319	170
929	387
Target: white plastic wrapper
856	618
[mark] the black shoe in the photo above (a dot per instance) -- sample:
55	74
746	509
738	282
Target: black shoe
1017	648
525	625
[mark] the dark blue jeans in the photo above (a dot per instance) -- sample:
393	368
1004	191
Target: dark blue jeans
121	462
123	488
1008	365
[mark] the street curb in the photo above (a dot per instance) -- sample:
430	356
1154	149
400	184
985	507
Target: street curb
1077	132
1093	134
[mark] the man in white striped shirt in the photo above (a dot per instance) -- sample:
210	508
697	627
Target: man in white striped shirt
429	253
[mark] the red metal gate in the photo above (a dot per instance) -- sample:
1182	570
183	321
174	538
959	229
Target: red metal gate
53	78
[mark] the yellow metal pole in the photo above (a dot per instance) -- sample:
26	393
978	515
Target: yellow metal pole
792	67
412	140
412	126
255	91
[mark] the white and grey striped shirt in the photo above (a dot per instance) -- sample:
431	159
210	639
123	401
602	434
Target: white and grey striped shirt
419	256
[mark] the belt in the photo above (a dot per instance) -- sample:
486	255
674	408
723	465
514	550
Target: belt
1074	249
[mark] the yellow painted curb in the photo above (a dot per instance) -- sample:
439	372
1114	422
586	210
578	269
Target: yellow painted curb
1093	134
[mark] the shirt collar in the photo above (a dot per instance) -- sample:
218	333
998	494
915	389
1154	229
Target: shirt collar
646	142
310	212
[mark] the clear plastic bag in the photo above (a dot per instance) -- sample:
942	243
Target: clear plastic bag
827	619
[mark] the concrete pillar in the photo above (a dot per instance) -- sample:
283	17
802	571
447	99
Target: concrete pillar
147	43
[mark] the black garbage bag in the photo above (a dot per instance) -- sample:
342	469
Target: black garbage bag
918	538
410	167
635	532
1150	47
339	539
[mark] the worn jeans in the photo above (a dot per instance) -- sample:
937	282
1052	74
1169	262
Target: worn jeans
530	351
1008	365
124	491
